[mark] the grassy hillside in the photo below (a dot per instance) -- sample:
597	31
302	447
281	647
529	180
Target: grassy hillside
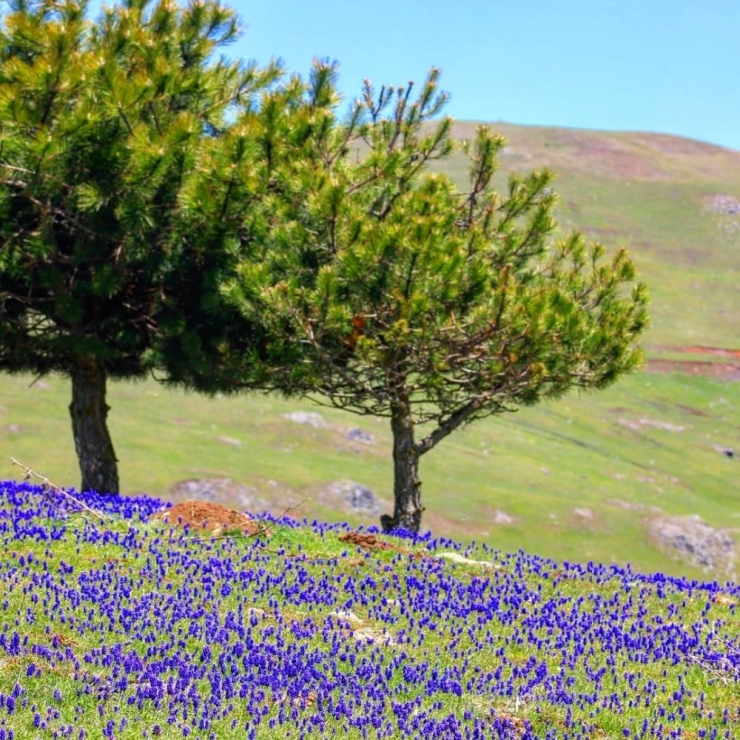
125	628
651	441
657	196
579	479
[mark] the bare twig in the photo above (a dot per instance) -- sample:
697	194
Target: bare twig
266	528
47	484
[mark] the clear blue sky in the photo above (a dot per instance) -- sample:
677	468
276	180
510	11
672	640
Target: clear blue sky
667	66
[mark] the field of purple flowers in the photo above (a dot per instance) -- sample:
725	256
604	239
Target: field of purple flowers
127	629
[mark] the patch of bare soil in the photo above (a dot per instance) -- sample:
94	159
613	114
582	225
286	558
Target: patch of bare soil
206	516
725	370
368	541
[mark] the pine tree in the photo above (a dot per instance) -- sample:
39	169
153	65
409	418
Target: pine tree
104	129
413	300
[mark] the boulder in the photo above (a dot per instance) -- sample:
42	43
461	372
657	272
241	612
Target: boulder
359	435
308	418
692	540
352	497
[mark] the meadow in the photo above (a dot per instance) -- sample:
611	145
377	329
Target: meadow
536	604
123	627
580	478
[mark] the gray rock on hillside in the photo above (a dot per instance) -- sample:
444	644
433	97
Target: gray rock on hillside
353	497
359	435
693	540
724	204
308	418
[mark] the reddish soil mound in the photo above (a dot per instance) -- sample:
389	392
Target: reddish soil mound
207	516
367	541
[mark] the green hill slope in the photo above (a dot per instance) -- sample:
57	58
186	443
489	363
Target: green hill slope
586	478
674	203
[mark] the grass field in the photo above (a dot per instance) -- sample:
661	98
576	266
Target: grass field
652	440
563	620
126	629
652	194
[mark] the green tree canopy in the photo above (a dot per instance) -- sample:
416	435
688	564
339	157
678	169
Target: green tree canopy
104	127
423	303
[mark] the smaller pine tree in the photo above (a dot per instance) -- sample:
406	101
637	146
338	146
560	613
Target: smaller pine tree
410	299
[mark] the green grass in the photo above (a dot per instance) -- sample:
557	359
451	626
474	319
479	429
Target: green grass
644	192
648	194
590	451
148	571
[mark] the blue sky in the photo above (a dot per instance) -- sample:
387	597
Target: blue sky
646	65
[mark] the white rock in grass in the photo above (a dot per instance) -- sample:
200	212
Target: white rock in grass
501	517
347	616
306	417
368	635
457	558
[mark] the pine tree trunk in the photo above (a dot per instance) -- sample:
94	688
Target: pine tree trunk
406	484
98	463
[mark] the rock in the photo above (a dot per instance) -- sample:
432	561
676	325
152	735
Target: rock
346	616
693	540
501	517
455	557
352	497
306	417
583	512
724	204
359	435
373	637
230	441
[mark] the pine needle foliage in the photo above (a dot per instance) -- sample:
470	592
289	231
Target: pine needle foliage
102	125
414	300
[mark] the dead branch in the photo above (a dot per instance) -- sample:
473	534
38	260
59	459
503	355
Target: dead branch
47	484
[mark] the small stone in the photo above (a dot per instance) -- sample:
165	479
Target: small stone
501	517
369	636
230	441
346	616
359	435
306	417
583	512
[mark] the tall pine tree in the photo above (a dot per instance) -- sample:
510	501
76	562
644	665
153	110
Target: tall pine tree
104	127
